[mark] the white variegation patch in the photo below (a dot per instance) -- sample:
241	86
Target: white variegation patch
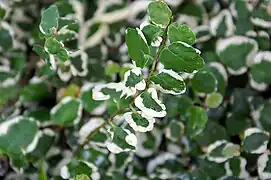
257	86
215	22
262	163
150	112
204	38
129	119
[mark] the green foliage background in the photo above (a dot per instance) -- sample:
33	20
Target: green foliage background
55	54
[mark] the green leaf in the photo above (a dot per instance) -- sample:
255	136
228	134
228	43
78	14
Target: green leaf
152	32
149	104
138	48
36	91
82	177
169	82
78	167
18	135
260	70
56	48
175	130
222	25
237	167
6	36
221	151
159	13
204	82
139	121
255	141
236	52
196	121
67	112
3	10
214	100
261	16
265	117
133	79
237	124
121	140
49	20
89	104
181	57
181	33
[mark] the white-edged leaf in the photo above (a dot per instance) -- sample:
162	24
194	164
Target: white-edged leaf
133	79
220	151
255	141
121	140
67	112
149	104
49	20
139	121
169	82
264	165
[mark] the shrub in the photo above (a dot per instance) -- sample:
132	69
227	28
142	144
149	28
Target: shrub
135	89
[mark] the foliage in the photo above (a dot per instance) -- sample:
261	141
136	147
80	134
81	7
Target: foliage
128	89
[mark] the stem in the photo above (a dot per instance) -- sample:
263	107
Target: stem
156	58
110	119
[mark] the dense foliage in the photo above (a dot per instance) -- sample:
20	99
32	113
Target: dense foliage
122	89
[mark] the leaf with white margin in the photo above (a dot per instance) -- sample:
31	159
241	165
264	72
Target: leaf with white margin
89	104
236	53
6	36
255	141
3	10
197	120
67	112
202	33
261	16
204	82
265	114
120	161
76	167
262	38
102	92
159	13
139	121
260	71
236	167
81	177
148	142
264	166
79	63
45	141
56	48
222	24
181	33
169	82
17	137
49	20
121	140
151	32
138	48
174	130
133	79
159	160
149	104
89	127
181	57
220	151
